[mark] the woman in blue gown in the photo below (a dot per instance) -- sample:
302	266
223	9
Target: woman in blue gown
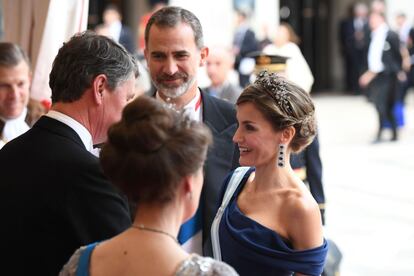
268	222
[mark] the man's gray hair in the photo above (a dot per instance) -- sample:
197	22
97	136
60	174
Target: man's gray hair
171	17
81	59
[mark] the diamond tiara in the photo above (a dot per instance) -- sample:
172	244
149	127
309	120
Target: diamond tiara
276	87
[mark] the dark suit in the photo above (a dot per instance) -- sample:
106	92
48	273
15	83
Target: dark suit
354	46
126	39
383	88
54	199
222	157
246	45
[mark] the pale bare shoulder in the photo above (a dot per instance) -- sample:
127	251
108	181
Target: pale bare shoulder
302	219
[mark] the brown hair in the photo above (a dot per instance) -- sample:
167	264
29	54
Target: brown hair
283	104
151	149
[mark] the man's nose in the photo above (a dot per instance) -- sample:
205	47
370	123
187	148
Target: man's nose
13	92
170	66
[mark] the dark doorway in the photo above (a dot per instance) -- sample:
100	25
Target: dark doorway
310	20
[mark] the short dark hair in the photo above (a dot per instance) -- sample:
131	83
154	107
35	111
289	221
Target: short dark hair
112	7
151	149
296	109
81	59
12	54
171	17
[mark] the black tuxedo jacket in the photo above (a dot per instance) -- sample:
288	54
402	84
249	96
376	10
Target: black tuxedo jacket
391	55
53	199
222	157
248	45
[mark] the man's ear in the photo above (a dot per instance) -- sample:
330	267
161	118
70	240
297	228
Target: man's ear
203	56
187	184
99	85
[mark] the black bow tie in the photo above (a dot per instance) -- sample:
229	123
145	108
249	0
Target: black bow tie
98	146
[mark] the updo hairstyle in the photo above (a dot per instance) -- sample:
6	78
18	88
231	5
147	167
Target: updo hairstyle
151	149
283	104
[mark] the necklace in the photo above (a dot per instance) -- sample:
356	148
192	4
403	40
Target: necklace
145	228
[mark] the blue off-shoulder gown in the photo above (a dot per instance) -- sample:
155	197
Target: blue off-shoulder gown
253	249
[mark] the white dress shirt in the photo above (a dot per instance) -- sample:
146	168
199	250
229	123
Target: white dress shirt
376	48
14	127
193	109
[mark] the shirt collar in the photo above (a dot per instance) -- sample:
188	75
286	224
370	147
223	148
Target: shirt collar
382	29
193	108
81	130
14	127
21	117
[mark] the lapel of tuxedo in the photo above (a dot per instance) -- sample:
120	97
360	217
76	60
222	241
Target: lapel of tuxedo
212	115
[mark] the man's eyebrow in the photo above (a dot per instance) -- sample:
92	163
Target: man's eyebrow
181	52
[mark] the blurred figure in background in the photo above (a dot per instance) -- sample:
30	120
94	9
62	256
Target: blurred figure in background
110	28
113	27
17	111
220	62
378	6
381	78
405	32
285	44
244	43
155	5
354	37
167	194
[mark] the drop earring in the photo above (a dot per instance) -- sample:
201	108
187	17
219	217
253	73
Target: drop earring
281	155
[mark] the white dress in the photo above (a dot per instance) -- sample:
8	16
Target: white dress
297	69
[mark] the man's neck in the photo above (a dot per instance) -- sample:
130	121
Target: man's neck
74	111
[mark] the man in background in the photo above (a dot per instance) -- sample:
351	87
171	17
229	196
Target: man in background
220	63
244	43
15	78
384	68
113	27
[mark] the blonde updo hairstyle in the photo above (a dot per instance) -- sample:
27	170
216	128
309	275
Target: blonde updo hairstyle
283	104
152	149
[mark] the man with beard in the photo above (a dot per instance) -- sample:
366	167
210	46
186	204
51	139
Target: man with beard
174	51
